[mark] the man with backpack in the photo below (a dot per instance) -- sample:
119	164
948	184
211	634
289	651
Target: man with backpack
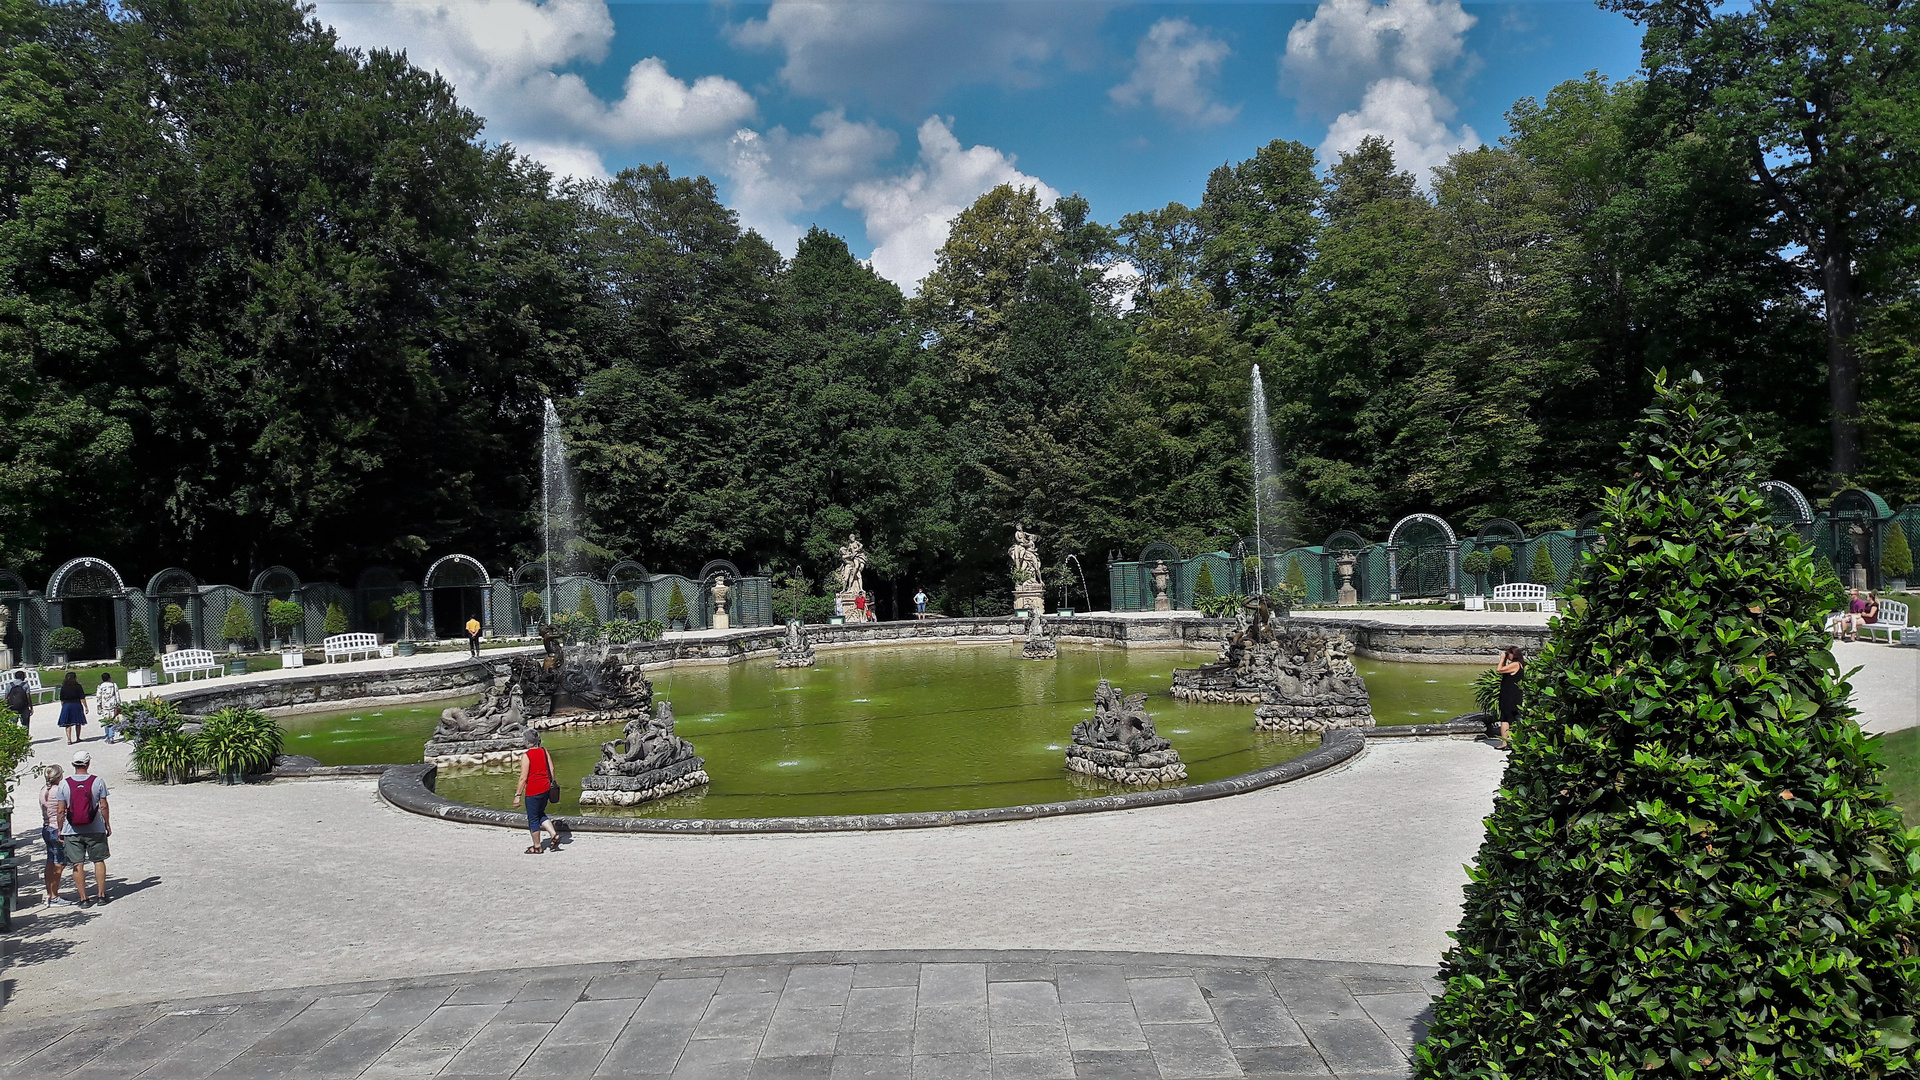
81	814
19	698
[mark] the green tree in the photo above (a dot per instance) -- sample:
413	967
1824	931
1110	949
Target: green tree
1203	586
1822	100
677	605
1896	558
1689	866
285	615
139	650
408	605
626	605
587	609
173	622
236	627
1500	558
336	619
531	606
1544	570
1296	580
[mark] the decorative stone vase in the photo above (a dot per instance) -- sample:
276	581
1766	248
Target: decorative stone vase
172	648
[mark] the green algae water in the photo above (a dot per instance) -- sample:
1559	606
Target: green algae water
891	730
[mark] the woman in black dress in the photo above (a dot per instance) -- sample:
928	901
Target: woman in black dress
1512	662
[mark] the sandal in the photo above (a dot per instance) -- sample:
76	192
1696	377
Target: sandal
534	850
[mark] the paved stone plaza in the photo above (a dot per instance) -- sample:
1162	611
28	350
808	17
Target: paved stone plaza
231	900
885	1016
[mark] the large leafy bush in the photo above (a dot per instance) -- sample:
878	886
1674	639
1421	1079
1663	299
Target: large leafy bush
1896	558
1689	869
237	741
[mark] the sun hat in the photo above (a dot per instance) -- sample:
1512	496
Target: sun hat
82	758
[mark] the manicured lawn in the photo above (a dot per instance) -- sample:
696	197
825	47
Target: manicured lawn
90	676
1900	751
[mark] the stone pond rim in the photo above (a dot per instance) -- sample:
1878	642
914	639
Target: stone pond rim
410	788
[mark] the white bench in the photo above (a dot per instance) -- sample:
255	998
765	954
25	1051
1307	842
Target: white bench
348	646
1523	596
1893	619
188	662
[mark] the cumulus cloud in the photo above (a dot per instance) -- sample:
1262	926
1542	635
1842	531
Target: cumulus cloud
908	216
1172	67
503	55
904	54
1410	116
1391	57
776	174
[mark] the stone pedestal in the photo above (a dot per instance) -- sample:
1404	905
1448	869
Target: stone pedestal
1859	578
648	761
847	600
1030	596
720	621
6	658
1119	744
1348	597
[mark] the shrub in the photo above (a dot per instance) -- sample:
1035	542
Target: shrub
651	629
1544	571
147	716
139	650
285	615
1832	590
1476	562
66	639
1689	868
1896	558
173	620
336	620
1500	558
587	609
620	631
1203	586
164	756
1219	607
236	741
676	603
1486	691
1296	580
237	626
626	605
15	747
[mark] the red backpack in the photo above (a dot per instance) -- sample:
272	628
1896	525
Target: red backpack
80	800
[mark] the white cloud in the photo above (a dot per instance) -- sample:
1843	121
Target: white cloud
775	175
904	54
908	216
1410	116
502	55
1171	67
1391	57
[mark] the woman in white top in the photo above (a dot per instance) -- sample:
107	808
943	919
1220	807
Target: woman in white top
106	705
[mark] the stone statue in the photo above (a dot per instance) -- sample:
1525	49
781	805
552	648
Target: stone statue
497	715
1119	743
1857	532
1025	554
1160	579
1038	646
648	761
795	651
6	623
554	645
851	577
720	591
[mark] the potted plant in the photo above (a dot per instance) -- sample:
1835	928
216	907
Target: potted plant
626	605
336	620
1476	564
237	628
173	625
1896	558
286	616
64	641
237	742
1501	558
138	656
677	613
408	605
1544	570
380	611
650	629
162	752
530	610
1203	586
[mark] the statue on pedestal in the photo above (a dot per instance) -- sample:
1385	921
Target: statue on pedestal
849	581
1160	578
1348	596
720	592
1029	592
1119	743
795	651
648	761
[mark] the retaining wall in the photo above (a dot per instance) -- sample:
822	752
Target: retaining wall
323	687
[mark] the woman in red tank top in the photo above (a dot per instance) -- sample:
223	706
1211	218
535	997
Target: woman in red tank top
537	787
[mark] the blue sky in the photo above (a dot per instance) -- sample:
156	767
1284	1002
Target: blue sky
880	119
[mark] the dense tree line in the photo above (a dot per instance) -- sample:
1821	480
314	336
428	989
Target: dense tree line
263	299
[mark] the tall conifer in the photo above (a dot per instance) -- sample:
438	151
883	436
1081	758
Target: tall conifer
1689	869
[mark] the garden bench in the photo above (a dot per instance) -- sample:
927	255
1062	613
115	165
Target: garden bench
347	646
1522	596
34	687
188	662
1893	619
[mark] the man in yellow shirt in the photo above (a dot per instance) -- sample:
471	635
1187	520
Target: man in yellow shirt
473	637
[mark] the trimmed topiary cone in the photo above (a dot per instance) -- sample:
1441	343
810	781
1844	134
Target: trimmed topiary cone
1688	870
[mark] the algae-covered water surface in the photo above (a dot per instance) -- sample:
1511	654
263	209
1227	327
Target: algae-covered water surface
892	730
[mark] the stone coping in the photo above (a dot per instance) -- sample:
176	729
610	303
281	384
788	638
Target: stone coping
410	787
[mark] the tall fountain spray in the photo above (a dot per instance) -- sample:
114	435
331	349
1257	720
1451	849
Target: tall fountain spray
1266	475
557	525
